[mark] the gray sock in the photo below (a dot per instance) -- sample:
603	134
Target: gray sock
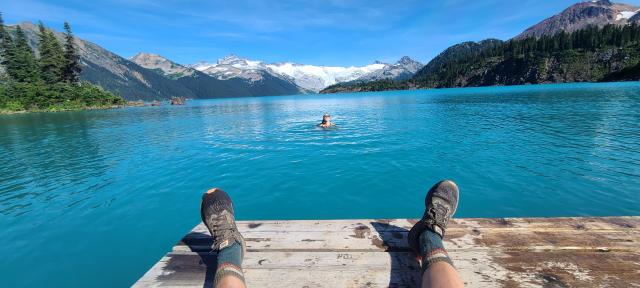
229	263
432	250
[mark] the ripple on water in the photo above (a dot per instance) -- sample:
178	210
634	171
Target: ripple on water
126	178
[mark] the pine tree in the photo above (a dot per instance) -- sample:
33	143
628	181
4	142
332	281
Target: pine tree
23	66
52	60
6	46
4	37
72	66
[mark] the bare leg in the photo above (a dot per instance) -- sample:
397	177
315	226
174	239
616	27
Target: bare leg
440	275
230	282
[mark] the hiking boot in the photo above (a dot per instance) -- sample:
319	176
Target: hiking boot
216	211
441	203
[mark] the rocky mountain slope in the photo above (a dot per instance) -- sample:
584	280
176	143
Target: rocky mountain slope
583	14
115	73
604	64
404	69
148	76
233	66
449	55
216	87
308	77
155	77
584	54
255	73
162	65
455	52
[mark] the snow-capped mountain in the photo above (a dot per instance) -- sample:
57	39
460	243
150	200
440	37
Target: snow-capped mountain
233	66
404	69
163	65
583	14
316	78
308	77
228	81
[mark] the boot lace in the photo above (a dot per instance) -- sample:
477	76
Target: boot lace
437	216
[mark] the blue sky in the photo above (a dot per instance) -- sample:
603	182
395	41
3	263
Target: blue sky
320	32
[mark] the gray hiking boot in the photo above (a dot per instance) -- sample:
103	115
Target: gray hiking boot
216	211
441	203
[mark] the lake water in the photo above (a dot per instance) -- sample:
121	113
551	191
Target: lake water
94	198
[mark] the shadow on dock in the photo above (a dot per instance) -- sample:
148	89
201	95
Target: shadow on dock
531	252
405	268
207	257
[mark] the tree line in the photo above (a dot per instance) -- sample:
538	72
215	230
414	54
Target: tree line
532	51
521	54
591	39
49	81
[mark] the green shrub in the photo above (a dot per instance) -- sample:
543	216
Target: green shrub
19	96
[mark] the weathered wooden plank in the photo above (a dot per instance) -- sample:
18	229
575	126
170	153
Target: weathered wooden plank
285	269
566	268
561	223
400	269
514	252
397	241
389	235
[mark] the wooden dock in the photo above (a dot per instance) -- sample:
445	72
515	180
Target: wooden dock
511	252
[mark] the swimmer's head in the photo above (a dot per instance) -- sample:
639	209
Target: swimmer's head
326	118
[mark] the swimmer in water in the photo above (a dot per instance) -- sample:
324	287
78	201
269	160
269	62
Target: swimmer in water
326	121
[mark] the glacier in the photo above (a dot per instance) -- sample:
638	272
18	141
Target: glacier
312	78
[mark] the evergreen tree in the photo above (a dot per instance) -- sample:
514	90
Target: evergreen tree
52	60
28	92
72	66
6	46
575	56
23	66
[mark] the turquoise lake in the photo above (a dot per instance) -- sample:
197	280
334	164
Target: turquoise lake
94	198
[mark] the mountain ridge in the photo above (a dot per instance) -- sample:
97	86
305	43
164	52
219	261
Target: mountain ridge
581	15
481	64
113	72
148	76
147	80
163	65
203	84
308	77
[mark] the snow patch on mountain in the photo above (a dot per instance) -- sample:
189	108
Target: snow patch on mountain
308	77
404	69
625	15
316	78
161	64
233	66
582	15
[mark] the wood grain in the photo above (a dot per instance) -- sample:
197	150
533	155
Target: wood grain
512	252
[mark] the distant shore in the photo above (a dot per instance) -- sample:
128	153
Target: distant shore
135	103
11	112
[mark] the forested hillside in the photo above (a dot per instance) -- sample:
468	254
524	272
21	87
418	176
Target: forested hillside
48	82
609	53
